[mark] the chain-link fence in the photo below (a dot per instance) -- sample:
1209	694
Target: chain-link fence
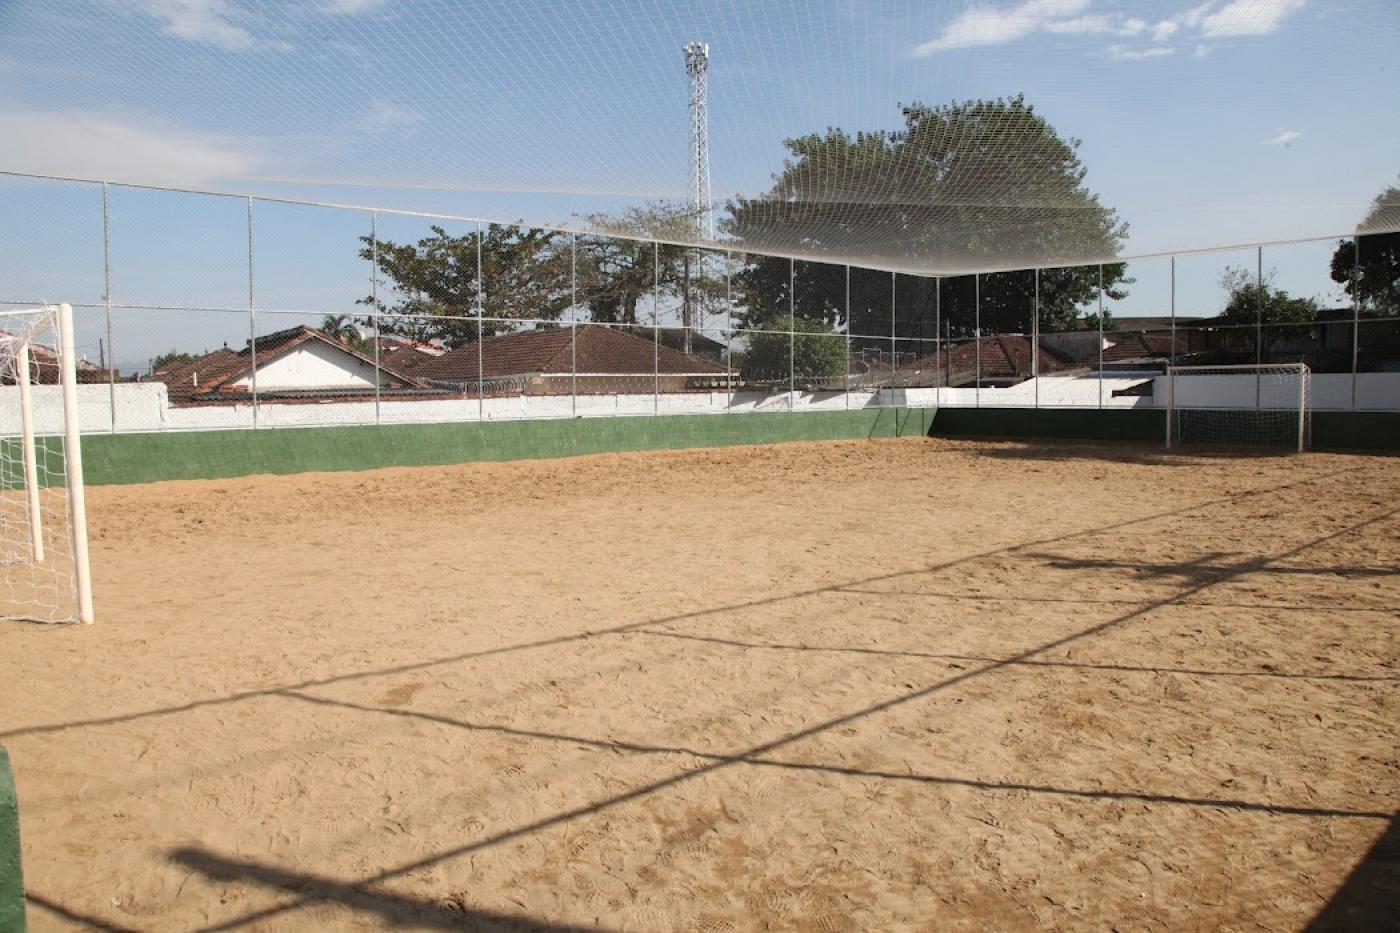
197	310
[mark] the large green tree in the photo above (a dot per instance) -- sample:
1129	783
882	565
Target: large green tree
1252	301
525	276
638	257
1371	274
982	183
813	355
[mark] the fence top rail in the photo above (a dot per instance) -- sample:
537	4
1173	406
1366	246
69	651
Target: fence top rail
1252	367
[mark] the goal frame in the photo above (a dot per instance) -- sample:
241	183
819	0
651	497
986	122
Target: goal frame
1304	373
72	448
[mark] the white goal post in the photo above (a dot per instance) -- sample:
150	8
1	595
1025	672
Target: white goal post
44	570
1244	405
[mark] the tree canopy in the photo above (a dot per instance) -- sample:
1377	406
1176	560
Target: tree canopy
942	184
1371	276
525	276
1254	301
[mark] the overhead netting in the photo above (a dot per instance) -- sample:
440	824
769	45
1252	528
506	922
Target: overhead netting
915	135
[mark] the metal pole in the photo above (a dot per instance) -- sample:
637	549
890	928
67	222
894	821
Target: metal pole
977	338
252	318
938	340
374	302
73	457
846	376
573	324
1259	327
729	331
1171	349
1035	341
1302	404
894	348
31	466
655	328
1171	402
792	336
1101	335
1355	318
107	301
480	332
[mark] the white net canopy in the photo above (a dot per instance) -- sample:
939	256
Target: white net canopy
926	136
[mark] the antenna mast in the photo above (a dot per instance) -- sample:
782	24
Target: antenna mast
697	65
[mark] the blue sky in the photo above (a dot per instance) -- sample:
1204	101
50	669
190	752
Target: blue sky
1203	123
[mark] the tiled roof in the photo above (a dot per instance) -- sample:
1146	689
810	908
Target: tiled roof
223	367
406	360
548	350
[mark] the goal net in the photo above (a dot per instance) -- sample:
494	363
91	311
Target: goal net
1263	405
44	574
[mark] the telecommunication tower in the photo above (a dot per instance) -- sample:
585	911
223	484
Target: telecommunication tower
697	65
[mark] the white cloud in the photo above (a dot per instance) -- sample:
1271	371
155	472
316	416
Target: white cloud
119	147
1121	53
1164	30
352	7
384	115
1248	17
982	24
207	21
1284	138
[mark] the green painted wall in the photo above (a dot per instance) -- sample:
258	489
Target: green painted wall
142	458
11	878
1331	430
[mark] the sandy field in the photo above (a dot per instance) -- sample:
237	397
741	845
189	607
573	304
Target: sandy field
875	685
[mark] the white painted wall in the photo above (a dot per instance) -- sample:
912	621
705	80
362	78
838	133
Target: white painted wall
315	365
145	406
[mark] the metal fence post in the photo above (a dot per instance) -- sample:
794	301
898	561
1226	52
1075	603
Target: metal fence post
977	338
252	318
1355	318
374	302
792	334
846	375
573	324
480	332
894	347
1035	340
655	327
729	331
110	362
1101	335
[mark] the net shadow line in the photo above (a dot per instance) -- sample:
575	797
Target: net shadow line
1200	568
983	597
977	658
575	637
87	921
394	909
783	741
621	745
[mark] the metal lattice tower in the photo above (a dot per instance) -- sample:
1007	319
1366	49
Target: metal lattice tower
697	65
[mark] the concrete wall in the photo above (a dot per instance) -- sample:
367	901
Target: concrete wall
139	458
145	407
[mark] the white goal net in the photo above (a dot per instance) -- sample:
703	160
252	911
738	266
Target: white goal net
1263	405
44	574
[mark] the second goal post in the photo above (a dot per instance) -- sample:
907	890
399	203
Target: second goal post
1245	405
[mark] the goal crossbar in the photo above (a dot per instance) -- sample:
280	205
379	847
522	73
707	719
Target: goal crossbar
1197	405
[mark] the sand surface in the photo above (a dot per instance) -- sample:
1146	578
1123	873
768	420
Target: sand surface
903	684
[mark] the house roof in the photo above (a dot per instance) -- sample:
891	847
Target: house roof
406	360
44	369
224	367
599	349
1000	355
